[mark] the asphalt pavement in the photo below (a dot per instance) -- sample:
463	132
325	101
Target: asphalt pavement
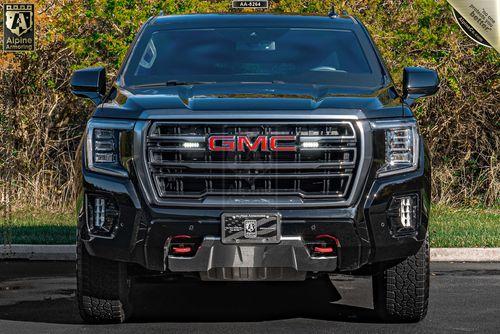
39	297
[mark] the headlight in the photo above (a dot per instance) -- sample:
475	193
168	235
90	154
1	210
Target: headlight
401	146
103	146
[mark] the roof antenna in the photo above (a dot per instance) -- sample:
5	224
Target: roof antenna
160	13
332	13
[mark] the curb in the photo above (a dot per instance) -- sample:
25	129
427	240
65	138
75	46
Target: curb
465	254
68	253
38	252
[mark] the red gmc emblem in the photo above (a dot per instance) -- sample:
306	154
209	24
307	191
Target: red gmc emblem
243	143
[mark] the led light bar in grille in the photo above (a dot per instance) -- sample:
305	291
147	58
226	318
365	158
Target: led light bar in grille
190	145
310	144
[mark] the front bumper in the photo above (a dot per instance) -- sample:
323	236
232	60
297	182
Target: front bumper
362	231
288	260
362	228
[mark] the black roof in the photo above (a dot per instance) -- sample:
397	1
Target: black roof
256	20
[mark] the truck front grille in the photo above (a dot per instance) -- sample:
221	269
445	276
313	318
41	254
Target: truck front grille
181	165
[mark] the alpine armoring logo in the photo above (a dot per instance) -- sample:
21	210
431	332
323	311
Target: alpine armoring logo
18	27
222	143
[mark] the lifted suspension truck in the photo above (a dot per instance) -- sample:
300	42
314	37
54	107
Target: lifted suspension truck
253	148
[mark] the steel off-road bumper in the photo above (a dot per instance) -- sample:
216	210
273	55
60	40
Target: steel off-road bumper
288	260
363	230
363	233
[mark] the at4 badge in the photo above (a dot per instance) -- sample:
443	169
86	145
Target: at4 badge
18	27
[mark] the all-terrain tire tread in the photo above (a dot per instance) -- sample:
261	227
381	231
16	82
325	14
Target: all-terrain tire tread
401	293
102	289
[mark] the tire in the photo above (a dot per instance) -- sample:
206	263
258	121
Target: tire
102	288
401	292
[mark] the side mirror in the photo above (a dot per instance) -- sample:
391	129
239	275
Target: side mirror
419	82
90	83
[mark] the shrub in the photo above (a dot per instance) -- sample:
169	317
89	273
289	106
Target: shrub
41	123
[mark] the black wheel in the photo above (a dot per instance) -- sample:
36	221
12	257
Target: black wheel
401	292
102	288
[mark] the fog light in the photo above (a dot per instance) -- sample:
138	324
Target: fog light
102	216
403	215
100	212
405	212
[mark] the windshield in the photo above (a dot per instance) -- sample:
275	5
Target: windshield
277	55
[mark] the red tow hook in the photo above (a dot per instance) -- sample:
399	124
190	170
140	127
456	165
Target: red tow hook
323	250
182	245
324	245
181	250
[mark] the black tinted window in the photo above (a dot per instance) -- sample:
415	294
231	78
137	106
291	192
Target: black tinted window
251	55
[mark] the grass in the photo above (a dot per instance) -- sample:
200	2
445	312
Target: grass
39	227
464	227
449	227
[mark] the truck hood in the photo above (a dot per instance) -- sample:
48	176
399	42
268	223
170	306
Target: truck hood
261	99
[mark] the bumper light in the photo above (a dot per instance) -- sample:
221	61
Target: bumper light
102	216
403	215
100	213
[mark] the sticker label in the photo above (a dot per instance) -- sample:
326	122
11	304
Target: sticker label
479	19
250	4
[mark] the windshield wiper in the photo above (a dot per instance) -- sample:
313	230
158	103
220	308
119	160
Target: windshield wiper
262	82
187	83
173	83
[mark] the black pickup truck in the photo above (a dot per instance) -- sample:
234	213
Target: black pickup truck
253	147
